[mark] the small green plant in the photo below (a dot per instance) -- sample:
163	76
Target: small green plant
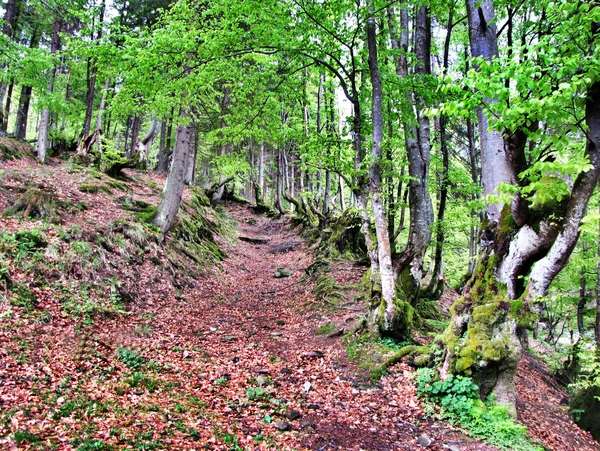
221	381
326	329
131	358
257	394
458	401
25	437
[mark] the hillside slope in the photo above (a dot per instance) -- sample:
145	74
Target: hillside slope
110	339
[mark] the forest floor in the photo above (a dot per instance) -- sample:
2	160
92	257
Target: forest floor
224	357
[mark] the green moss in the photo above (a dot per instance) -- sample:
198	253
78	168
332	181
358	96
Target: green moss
22	296
94	188
116	184
506	229
35	203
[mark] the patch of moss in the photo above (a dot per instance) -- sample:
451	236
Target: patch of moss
143	210
93	188
117	184
35	203
22	296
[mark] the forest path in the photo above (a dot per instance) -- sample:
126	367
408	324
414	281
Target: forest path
265	330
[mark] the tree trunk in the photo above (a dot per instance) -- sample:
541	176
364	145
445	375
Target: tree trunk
190	175
42	143
408	266
89	98
9	93
482	338
135	131
436	286
7	29
279	190
162	151
387	319
169	206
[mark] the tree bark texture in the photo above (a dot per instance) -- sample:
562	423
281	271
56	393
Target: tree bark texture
169	206
42	143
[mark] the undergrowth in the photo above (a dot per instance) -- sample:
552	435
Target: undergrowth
457	400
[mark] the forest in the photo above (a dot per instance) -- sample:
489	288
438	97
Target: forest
439	162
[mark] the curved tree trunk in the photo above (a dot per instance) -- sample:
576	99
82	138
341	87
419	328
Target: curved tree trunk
169	206
482	338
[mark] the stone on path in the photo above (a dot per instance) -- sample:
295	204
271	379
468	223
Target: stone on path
282	272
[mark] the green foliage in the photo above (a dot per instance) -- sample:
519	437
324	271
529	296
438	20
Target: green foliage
25	437
326	329
131	359
458	401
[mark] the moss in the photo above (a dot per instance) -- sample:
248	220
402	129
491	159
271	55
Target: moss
142	210
35	203
22	296
506	230
14	149
586	404
93	188
117	184
522	313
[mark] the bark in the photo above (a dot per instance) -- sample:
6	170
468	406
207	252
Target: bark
581	303
279	189
387	319
162	150
409	264
436	286
261	169
169	206
483	41
42	143
89	98
146	141
135	131
190	174
9	92
7	29
597	323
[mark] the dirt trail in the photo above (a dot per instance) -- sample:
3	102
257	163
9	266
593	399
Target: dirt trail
262	325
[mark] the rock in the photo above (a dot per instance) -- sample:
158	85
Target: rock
261	371
307	387
286	371
451	447
313	406
424	440
276	334
282	426
393	404
282	272
315	354
307	424
261	380
292	414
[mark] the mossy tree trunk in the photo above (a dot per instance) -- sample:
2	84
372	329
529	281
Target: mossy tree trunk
520	242
169	206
